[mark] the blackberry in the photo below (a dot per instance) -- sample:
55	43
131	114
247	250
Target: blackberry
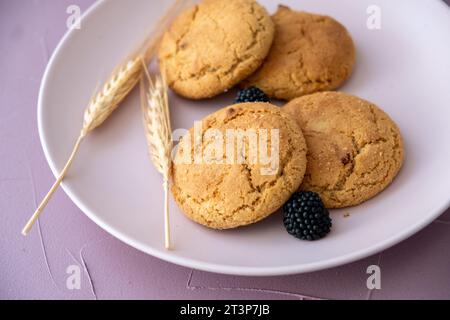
251	94
305	217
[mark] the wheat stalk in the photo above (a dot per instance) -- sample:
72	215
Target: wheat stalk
99	109
118	86
156	118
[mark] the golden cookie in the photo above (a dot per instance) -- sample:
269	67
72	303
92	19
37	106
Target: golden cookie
215	45
354	149
243	187
310	53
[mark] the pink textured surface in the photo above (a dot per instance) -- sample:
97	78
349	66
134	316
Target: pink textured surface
35	267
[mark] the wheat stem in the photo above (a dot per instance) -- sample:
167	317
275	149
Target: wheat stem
55	186
167	241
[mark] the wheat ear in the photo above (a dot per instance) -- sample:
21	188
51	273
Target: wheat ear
100	107
156	118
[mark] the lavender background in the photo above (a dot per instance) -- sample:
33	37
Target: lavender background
35	267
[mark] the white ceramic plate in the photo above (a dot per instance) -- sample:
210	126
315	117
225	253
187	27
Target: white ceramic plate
403	67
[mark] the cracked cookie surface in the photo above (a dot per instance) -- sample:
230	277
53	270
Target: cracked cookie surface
223	194
215	45
310	53
354	149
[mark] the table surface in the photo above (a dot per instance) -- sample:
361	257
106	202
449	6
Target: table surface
35	267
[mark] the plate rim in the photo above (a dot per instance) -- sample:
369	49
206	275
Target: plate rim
194	263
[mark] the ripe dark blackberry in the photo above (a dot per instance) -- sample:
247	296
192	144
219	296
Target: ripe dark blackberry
305	217
251	94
